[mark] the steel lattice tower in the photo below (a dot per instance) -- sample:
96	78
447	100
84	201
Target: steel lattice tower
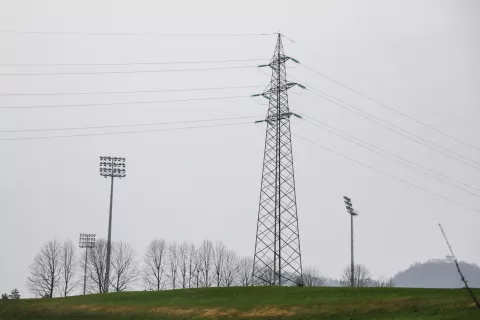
277	259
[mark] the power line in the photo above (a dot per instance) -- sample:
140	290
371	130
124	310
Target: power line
122	72
387	174
122	64
382	104
125	125
123	103
393	128
125	92
352	138
127	132
135	34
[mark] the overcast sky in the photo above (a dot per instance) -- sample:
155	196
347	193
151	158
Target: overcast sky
419	57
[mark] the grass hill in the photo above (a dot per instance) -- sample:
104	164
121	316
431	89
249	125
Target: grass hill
253	303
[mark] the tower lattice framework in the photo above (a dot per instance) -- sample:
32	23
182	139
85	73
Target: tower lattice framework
277	259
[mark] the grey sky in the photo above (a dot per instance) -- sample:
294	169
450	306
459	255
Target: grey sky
420	57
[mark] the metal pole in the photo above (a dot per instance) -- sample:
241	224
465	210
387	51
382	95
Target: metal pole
109	242
472	295
85	272
352	266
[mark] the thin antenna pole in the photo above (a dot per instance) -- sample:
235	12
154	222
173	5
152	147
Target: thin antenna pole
458	269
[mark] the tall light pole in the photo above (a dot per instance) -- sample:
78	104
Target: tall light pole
87	241
353	213
112	167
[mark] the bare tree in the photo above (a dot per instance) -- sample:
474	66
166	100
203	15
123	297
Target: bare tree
192	266
219	254
46	270
362	276
97	263
230	269
155	262
312	278
245	270
195	267
205	256
173	262
124	267
68	262
383	282
183	257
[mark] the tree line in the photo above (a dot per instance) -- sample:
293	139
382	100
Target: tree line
58	269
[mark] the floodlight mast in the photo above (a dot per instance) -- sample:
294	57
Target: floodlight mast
353	213
87	241
113	167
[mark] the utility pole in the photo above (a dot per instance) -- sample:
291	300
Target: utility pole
353	213
112	167
87	241
277	258
472	295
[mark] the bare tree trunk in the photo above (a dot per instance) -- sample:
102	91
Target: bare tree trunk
173	263
124	267
218	261
154	270
205	255
46	270
97	263
192	264
68	260
183	253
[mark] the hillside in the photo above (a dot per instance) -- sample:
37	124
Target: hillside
438	274
253	302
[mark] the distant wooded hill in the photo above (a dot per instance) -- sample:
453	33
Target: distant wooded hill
438	274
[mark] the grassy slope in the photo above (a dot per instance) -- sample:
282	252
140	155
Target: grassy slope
253	302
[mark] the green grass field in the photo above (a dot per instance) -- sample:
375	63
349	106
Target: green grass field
253	303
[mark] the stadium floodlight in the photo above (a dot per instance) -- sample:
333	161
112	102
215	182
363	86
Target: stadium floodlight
113	167
87	241
353	213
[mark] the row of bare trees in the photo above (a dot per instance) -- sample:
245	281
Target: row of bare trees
57	270
173	265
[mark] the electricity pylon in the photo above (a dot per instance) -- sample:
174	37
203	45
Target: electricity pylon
277	259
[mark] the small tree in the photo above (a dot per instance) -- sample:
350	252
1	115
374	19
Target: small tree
173	263
97	263
362	276
15	294
155	264
124	267
245	269
230	269
4	296
68	265
205	257
219	255
45	271
312	278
